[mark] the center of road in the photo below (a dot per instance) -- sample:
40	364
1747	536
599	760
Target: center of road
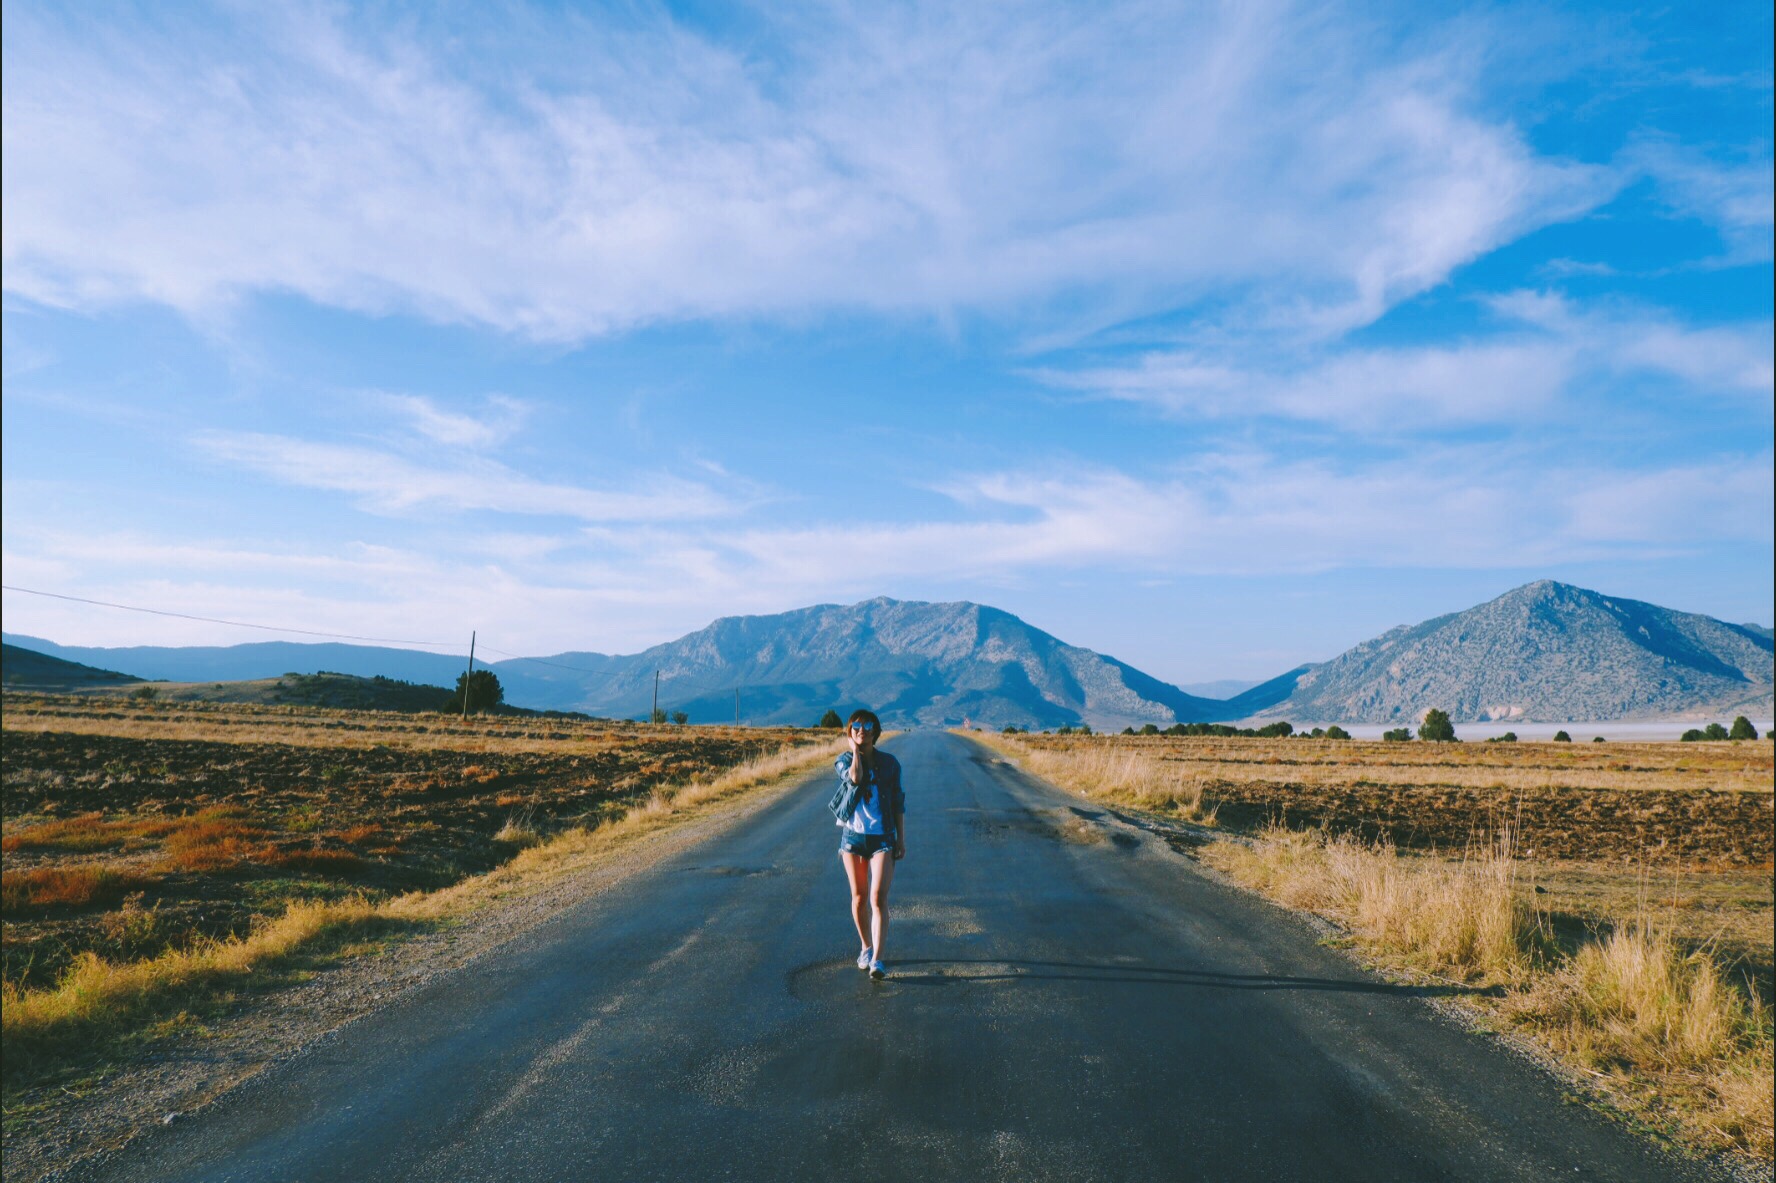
1070	999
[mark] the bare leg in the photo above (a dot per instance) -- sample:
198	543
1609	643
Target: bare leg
881	866
857	875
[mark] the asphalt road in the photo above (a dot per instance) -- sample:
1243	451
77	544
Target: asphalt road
1068	1001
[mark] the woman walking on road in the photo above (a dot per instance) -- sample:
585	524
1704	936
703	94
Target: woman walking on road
869	806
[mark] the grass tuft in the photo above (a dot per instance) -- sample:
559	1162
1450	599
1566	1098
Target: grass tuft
1130	778
97	1000
67	887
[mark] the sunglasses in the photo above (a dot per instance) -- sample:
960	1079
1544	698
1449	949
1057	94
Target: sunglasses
864	727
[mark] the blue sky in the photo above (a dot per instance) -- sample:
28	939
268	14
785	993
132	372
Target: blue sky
1218	338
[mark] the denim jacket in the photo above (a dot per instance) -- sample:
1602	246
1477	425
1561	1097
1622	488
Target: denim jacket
887	781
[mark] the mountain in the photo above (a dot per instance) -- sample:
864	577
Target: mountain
909	661
1546	652
259	659
26	669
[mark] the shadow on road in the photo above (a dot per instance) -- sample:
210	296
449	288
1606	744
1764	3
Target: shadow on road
955	972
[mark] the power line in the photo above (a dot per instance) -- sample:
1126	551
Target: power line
273	628
270	628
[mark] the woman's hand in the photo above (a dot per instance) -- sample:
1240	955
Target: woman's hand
899	851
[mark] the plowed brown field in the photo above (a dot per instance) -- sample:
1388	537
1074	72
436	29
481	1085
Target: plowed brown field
127	832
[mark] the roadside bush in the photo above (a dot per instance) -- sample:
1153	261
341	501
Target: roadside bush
1562	737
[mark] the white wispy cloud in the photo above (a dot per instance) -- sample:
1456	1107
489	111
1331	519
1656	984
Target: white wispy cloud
389	483
1737	197
621	586
1547	348
901	158
503	417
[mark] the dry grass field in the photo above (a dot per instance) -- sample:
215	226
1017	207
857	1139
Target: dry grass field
153	851
1613	900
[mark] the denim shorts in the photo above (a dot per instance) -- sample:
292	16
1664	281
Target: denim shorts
863	845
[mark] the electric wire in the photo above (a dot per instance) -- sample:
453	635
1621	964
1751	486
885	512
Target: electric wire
305	632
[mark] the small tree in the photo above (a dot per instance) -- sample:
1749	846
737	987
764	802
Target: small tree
483	689
680	718
1742	729
830	719
1277	730
1397	735
1148	729
1337	732
1562	737
1437	727
148	693
1714	731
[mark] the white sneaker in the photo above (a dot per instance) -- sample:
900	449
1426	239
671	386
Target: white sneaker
864	959
877	970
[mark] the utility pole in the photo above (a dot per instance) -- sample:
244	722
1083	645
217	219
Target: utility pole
469	678
654	717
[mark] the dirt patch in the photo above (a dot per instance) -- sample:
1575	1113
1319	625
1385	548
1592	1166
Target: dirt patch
1725	829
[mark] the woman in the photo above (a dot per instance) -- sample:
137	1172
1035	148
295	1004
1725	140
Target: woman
870	807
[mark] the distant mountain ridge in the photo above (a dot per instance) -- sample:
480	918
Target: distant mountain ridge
911	662
1545	652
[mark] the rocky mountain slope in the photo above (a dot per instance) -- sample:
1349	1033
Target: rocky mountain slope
911	662
1545	652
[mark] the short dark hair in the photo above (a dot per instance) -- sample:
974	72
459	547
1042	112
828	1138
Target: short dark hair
862	716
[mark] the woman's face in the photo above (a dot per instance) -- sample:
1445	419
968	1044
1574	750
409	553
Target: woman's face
862	734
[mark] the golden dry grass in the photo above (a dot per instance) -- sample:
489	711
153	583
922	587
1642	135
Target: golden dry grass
98	997
1460	918
1131	778
1659	1023
1665	1010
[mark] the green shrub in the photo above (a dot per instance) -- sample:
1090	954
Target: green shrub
1437	727
1742	729
1562	737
